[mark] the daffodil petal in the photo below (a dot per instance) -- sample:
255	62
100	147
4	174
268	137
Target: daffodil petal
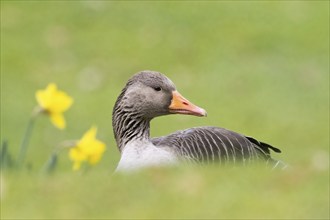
44	97
95	152
93	147
88	148
53	100
41	99
76	154
94	159
58	120
89	136
99	147
60	102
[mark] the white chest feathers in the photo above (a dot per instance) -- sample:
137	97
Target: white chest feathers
139	154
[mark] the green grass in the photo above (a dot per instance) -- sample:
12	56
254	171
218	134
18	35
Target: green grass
259	68
207	192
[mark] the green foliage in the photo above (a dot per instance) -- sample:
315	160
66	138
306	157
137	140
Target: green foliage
259	68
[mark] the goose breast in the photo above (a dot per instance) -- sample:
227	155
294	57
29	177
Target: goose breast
141	153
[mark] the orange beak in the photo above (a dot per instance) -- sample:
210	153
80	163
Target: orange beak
180	105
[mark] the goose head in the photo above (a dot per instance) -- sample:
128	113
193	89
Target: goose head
147	94
151	94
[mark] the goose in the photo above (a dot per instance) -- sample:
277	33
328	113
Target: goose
150	94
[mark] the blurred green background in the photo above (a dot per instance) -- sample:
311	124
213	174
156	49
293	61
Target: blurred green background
260	68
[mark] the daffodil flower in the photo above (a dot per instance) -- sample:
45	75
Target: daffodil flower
50	101
54	102
88	149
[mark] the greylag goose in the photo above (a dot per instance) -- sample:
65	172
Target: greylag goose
149	94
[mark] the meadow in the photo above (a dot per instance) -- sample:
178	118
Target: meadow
260	68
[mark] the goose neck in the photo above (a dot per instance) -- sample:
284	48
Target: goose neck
130	127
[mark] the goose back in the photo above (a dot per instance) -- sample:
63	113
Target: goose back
215	144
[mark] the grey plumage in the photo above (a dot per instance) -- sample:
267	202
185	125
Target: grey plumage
150	94
215	144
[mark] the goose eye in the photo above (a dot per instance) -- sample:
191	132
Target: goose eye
157	89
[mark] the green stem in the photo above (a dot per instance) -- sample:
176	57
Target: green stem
26	137
3	154
50	165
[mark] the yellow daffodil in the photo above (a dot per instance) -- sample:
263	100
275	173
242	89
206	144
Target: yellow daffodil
54	102
88	149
